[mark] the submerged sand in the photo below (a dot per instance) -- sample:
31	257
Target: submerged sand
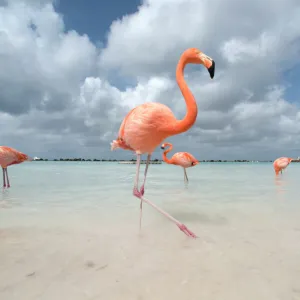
243	252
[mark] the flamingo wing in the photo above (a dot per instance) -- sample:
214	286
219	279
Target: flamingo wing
7	156
10	156
145	127
281	162
184	159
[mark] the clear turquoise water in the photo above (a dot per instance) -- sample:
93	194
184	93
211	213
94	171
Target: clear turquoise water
247	220
86	185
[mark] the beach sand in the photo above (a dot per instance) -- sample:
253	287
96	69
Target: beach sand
78	238
243	252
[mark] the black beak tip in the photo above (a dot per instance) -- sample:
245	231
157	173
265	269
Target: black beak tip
162	148
211	70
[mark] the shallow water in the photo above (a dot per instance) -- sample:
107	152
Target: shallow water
69	230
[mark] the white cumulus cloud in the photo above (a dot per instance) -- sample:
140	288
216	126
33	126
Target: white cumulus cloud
56	98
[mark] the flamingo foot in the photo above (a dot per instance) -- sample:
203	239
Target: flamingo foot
186	231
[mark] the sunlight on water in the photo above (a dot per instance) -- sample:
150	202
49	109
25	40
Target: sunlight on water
69	230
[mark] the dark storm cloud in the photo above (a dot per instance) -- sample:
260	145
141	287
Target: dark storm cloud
19	98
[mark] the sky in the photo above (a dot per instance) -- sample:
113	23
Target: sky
70	71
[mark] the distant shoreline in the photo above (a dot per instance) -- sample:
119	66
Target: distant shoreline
155	161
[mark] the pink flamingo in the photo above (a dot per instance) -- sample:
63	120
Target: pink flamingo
183	159
281	163
146	126
8	157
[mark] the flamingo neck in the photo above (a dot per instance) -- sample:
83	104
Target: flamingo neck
191	106
165	159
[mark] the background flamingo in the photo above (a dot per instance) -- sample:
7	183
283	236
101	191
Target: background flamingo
10	156
146	126
281	163
183	159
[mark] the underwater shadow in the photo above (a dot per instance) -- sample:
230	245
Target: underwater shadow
196	217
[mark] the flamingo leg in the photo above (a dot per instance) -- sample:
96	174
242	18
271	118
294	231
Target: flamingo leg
8	185
138	194
142	189
185	175
181	226
136	191
4	182
136	181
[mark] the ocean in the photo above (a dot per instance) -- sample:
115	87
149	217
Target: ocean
70	230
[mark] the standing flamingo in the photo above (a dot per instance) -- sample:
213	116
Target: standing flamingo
8	157
183	159
146	126
281	163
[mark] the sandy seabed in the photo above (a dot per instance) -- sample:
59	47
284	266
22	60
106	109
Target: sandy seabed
86	256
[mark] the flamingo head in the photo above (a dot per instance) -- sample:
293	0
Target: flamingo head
194	163
163	146
195	56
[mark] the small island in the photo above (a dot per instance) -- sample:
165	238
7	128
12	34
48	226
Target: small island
132	162
154	161
121	161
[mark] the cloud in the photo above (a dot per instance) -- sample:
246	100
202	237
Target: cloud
241	106
43	69
60	95
151	40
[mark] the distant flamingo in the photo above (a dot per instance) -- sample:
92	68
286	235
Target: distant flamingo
183	159
146	126
8	157
281	163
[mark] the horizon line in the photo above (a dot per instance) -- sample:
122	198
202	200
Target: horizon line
152	160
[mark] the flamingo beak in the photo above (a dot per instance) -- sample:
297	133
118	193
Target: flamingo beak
211	69
162	147
209	63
